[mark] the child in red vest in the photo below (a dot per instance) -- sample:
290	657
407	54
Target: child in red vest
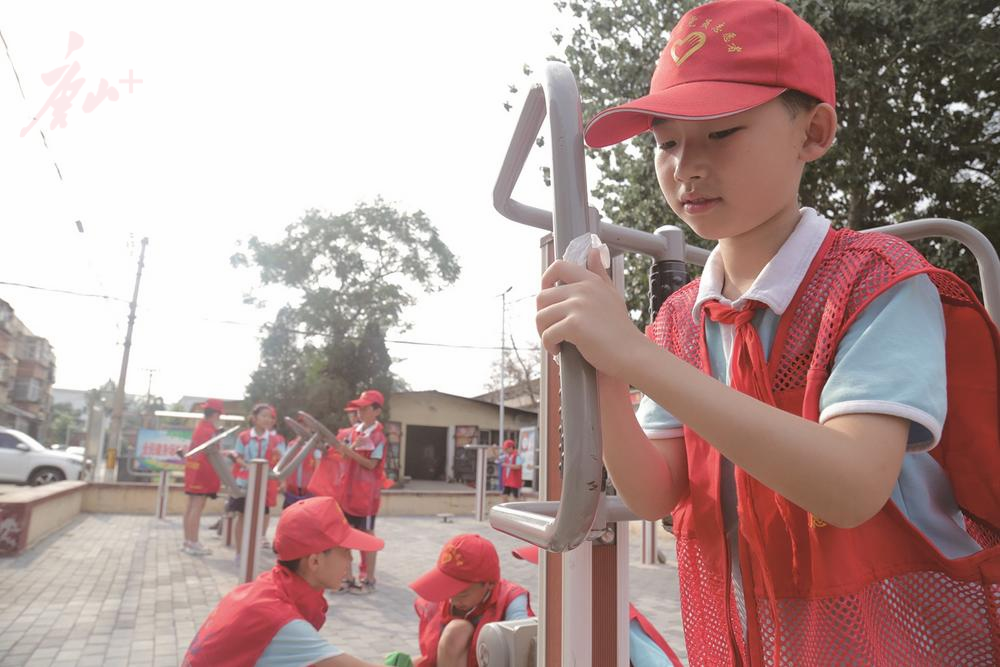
200	480
793	394
260	441
363	475
275	619
512	463
647	647
458	597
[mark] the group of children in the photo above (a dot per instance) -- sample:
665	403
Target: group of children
284	608
351	470
820	406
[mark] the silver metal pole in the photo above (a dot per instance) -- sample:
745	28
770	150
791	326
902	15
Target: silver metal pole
481	481
503	357
162	495
253	519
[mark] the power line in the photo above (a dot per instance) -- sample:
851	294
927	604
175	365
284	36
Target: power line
302	332
64	291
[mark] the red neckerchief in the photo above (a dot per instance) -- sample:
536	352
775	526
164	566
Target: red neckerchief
309	601
748	374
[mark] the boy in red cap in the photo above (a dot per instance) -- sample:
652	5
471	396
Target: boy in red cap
647	647
458	597
200	480
275	619
363	475
792	393
511	462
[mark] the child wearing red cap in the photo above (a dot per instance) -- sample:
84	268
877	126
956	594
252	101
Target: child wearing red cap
512	462
200	480
461	594
274	620
260	441
792	393
363	475
647	647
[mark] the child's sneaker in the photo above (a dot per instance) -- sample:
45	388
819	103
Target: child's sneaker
347	585
198	549
365	587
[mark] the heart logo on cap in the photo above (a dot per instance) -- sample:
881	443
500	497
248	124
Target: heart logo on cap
691	43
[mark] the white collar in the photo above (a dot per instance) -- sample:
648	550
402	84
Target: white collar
780	278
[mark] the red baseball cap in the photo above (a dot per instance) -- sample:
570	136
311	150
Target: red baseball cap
213	404
528	553
369	397
723	58
314	525
465	560
509	444
351	406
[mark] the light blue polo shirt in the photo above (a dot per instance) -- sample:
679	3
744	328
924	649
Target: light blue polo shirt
891	361
296	644
255	448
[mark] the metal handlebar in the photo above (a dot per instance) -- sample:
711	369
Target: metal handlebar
212	448
583	488
297	453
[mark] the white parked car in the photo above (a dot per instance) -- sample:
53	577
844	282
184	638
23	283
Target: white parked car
24	460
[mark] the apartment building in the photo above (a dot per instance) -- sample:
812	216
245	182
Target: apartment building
27	372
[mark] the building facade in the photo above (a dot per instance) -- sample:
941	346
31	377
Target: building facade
435	427
27	372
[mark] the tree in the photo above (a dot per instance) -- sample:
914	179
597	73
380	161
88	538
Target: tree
919	112
520	367
354	273
63	420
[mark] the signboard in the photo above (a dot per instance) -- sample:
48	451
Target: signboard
157	450
527	447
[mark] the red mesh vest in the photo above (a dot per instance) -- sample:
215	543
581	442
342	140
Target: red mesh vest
328	480
241	627
877	594
199	475
435	615
361	494
511	477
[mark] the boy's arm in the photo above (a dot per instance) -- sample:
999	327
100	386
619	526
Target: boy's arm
842	471
363	461
637	464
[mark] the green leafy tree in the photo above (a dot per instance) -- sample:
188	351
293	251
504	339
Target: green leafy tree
354	273
918	88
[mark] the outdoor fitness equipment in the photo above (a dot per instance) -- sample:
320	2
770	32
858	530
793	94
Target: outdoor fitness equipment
584	575
213	451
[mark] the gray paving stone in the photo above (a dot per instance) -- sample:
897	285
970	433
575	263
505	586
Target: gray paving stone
114	589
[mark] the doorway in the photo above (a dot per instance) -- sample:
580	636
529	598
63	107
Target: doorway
426	452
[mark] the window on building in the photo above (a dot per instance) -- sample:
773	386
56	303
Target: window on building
27	389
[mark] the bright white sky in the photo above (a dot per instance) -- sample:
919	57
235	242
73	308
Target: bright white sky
245	119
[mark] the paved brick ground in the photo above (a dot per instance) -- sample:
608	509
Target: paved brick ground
114	590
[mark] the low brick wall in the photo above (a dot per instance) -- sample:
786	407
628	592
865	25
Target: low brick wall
139	498
30	513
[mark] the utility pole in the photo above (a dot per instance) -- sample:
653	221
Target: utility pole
118	407
503	358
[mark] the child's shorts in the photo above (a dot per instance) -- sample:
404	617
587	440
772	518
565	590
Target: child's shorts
365	523
512	491
239	505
